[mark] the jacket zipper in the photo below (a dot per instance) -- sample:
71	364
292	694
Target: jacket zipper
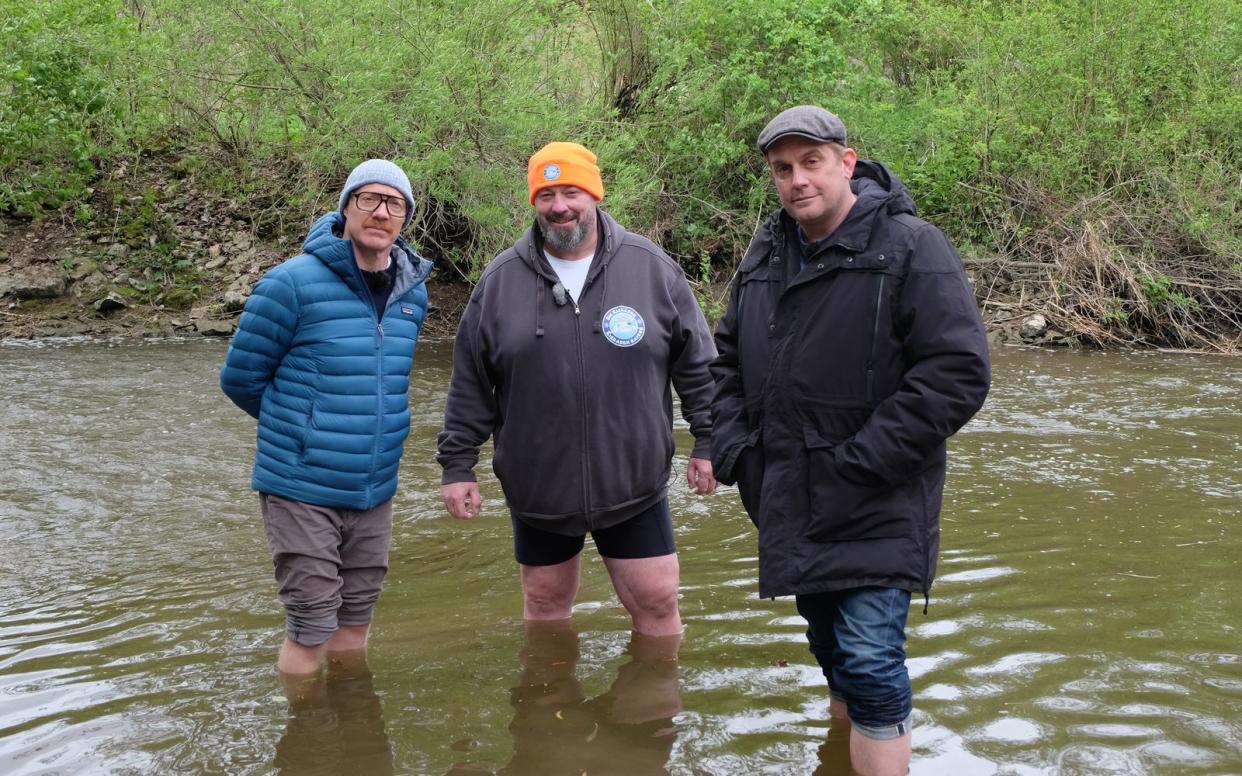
379	360
394	294
582	392
875	335
369	301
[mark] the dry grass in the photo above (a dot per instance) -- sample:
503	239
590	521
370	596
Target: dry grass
1110	279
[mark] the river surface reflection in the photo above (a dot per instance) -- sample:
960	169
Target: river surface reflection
1085	621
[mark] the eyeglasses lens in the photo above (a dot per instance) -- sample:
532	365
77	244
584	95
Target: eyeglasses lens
370	202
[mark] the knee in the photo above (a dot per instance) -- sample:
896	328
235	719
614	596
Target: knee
888	709
548	603
657	602
311	621
358	601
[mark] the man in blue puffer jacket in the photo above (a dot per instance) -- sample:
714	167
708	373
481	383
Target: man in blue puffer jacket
322	359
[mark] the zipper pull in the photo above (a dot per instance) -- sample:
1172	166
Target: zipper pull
576	310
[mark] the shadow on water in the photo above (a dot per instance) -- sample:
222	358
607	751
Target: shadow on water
558	728
336	725
1084	621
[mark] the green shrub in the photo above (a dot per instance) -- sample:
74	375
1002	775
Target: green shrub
1036	131
58	97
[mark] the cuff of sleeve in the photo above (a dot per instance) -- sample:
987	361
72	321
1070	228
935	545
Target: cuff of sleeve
702	448
458	473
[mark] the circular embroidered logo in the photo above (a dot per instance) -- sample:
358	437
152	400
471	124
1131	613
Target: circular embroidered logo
551	172
623	326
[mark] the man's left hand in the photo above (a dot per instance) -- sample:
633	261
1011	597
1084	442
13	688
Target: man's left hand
699	476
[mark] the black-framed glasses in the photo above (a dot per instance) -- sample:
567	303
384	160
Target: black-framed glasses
369	202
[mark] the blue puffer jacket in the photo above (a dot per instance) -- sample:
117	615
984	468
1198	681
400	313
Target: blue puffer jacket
327	381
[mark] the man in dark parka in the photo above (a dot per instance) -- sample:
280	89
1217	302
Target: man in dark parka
851	350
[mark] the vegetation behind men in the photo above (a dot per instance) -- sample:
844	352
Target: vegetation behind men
852	348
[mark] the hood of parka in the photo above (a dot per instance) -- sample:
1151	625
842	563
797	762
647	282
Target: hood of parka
877	189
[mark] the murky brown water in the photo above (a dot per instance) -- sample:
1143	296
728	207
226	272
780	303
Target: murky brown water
1086	619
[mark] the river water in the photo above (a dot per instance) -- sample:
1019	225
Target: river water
1085	621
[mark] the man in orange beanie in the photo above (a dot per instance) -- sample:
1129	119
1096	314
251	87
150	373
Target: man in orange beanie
565	354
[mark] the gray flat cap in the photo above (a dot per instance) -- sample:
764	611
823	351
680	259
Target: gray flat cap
805	121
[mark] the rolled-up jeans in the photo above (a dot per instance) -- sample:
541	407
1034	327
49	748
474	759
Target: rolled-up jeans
858	636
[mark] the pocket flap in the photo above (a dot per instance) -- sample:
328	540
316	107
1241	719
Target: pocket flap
814	441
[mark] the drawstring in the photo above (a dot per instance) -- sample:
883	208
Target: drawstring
603	292
539	284
926	601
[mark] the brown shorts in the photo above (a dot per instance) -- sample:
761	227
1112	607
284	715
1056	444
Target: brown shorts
330	564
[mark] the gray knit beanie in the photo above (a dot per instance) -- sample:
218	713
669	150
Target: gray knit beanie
379	171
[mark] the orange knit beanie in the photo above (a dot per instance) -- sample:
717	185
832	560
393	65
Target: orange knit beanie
564	164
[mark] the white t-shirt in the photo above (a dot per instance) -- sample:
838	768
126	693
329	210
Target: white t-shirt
572	272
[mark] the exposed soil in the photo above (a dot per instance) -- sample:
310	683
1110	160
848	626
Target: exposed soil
166	257
156	253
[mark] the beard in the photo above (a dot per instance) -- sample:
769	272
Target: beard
564	236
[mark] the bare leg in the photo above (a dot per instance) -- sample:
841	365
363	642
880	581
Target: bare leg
648	687
834	754
839	711
869	756
880	758
349	638
299	660
549	659
303	689
548	592
647	588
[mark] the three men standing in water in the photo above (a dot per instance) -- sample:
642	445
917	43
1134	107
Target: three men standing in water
852	348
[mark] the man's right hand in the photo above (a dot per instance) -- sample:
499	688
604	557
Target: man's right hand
462	499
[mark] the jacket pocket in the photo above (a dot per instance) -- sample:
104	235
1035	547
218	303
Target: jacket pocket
842	510
724	465
748	472
305	435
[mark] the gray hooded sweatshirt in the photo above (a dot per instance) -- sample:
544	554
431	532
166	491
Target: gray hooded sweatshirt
578	396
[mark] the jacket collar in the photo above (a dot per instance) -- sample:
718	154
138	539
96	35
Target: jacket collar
530	250
878	190
530	247
324	242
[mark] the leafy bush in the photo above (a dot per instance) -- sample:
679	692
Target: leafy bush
1049	131
57	97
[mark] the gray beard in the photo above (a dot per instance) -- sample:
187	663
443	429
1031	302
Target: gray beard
563	237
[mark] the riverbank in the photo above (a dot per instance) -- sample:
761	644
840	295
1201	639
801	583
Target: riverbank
192	273
156	157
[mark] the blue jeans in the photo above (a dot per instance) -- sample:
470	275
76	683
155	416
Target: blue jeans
859	638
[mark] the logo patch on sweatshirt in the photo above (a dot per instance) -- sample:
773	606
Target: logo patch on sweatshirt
407	310
623	326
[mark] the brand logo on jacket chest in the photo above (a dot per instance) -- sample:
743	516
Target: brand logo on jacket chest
623	326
